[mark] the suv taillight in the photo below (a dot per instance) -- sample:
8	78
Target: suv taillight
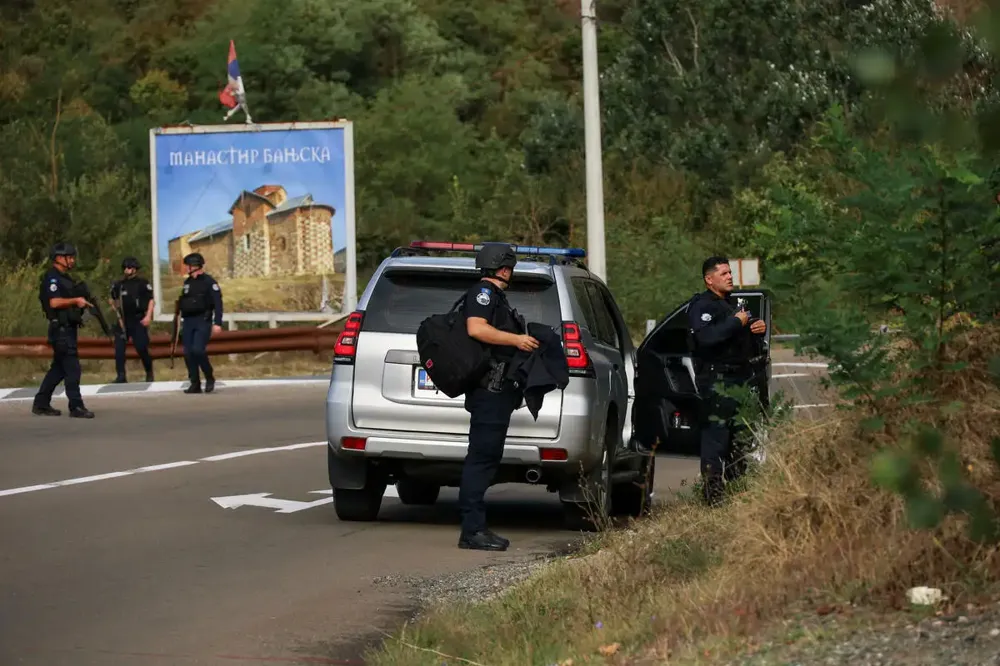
576	354
347	341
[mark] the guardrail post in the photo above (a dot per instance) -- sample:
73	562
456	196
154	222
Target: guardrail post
650	325
233	327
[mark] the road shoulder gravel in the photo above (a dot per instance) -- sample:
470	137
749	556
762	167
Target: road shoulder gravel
970	637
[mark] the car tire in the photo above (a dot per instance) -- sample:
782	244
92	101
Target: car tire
417	492
594	513
635	498
359	505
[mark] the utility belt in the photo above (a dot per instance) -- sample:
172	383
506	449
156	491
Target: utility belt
66	318
57	329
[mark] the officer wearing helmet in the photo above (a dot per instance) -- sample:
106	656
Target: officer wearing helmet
132	298
490	320
64	312
200	306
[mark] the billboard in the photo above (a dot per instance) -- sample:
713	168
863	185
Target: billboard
271	209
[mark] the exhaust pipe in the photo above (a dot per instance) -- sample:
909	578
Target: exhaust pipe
533	475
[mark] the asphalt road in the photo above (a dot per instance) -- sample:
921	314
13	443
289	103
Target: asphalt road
114	551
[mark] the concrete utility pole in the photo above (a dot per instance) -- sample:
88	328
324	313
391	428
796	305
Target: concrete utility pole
592	141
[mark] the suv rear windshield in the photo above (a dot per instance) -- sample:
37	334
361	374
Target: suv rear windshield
402	299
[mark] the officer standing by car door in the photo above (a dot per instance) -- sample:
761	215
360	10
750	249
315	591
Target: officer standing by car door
724	343
64	311
201	310
132	298
491	321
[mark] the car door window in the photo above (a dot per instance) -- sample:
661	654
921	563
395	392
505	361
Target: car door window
615	317
586	307
606	331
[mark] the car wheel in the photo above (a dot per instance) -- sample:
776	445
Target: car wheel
594	512
417	492
359	505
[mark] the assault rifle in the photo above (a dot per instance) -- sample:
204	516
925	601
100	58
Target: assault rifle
119	309
80	289
174	333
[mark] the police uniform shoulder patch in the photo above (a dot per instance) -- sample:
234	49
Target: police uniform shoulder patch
53	287
149	287
215	286
706	317
483	297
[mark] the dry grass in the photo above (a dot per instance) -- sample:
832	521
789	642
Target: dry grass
16	372
810	532
302	293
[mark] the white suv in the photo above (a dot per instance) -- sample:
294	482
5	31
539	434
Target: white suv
387	424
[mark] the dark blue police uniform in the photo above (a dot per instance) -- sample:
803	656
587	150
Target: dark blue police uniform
62	337
490	407
133	296
200	306
723	349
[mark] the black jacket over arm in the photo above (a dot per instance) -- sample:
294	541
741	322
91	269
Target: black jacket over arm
543	370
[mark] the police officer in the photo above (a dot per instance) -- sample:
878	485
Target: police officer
724	341
132	297
201	310
64	311
490	320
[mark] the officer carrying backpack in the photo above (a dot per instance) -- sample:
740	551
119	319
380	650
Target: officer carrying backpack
454	360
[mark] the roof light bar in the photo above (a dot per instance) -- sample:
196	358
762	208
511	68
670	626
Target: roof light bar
519	249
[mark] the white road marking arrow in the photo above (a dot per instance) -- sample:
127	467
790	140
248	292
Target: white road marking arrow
262	499
282	505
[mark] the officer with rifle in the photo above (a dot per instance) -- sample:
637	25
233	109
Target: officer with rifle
200	306
490	320
725	339
63	302
132	300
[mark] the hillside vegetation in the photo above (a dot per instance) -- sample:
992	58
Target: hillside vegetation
468	119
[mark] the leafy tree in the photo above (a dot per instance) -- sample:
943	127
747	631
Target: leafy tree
714	87
902	232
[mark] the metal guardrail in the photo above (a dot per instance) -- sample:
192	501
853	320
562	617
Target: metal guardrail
288	338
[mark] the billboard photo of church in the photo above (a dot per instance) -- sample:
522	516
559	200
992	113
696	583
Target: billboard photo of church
271	212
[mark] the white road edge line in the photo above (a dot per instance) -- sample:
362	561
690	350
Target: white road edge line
155	468
801	365
92	390
792	374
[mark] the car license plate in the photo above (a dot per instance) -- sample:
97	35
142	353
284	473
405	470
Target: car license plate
424	382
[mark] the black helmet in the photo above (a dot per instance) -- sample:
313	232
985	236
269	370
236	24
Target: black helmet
62	250
494	256
194	259
130	262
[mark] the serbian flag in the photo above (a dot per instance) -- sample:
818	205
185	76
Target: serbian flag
233	93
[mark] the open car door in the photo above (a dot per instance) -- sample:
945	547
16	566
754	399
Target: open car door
667	404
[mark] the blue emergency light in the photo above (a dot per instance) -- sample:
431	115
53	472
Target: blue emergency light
519	249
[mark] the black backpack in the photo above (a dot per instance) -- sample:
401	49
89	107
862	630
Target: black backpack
454	361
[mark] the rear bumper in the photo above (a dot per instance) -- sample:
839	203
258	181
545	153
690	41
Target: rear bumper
576	430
